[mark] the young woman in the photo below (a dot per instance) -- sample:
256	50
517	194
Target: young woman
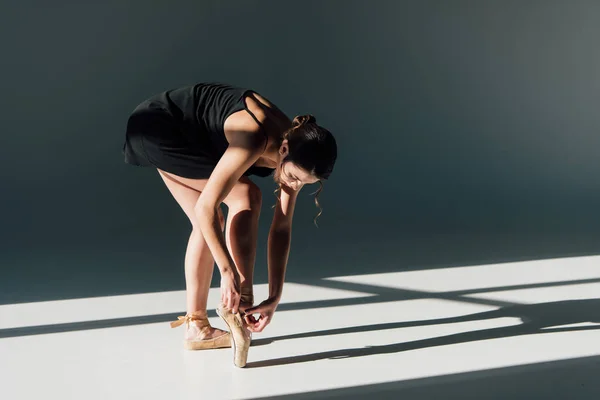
205	141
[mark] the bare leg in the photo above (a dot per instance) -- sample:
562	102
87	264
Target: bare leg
244	203
199	262
199	268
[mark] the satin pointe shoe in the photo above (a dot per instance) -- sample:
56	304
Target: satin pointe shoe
197	333
240	335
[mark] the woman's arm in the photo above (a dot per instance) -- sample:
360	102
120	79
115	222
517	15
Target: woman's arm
243	151
280	236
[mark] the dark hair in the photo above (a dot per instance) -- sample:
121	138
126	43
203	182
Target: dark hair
312	148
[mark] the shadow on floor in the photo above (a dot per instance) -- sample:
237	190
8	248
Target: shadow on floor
556	380
536	319
153	262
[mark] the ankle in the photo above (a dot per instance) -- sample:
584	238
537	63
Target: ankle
247	296
198	314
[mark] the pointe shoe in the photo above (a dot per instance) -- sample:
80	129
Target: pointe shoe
239	334
196	333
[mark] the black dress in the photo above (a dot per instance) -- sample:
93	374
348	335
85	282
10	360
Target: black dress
181	130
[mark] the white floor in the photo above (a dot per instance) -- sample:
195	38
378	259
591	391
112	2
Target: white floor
512	330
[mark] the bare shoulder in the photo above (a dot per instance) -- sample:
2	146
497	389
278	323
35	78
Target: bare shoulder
267	112
270	120
240	127
266	103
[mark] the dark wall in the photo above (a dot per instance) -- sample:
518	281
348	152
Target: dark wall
452	118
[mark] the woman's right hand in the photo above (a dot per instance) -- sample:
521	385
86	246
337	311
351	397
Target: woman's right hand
230	289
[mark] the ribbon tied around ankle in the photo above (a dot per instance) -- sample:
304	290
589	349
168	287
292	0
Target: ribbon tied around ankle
187	319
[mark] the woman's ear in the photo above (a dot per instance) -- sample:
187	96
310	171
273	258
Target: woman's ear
284	149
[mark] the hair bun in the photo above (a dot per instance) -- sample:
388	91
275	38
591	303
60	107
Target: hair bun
303	119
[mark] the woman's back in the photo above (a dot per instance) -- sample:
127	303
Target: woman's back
182	129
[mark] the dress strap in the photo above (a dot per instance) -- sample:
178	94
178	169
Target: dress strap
255	119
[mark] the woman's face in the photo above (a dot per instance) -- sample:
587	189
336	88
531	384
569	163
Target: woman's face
292	176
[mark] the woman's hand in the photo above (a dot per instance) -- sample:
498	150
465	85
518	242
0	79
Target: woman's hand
230	289
266	309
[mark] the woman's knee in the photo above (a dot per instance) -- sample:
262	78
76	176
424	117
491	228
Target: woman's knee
245	196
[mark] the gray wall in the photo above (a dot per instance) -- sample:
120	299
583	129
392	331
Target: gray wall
467	132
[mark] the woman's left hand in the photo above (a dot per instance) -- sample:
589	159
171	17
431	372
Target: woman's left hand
266	309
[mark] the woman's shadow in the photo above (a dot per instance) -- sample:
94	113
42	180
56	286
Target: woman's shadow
534	317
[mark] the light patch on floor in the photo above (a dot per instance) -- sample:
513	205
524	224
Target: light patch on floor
318	342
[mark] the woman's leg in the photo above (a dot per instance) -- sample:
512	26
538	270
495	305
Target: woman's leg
199	266
244	204
199	262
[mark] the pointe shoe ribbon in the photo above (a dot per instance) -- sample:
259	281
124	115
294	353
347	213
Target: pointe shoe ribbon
199	338
189	318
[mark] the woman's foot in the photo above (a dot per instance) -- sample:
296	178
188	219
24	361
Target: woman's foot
197	331
200	335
